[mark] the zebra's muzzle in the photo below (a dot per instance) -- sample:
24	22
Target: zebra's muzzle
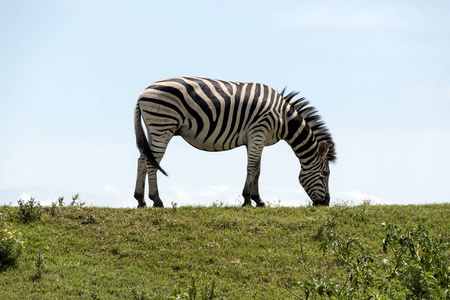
321	201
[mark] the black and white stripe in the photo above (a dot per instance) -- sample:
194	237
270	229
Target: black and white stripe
216	115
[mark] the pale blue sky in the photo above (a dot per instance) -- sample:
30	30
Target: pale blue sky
71	72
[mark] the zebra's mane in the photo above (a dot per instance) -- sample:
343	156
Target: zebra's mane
314	121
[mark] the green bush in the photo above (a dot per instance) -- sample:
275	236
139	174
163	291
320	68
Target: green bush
419	263
416	266
11	245
29	211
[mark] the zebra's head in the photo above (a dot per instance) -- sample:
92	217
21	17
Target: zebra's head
314	178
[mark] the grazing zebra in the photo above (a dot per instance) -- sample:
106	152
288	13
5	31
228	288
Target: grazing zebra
215	115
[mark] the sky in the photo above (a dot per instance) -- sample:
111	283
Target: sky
71	71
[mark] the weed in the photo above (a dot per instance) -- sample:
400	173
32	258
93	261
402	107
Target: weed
7	214
136	295
53	209
95	296
76	201
328	223
60	201
89	220
39	263
208	292
29	211
218	203
275	204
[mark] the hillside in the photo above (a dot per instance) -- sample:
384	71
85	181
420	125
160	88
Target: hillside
247	253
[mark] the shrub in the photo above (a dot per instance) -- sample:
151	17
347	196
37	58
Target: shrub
11	246
419	262
29	211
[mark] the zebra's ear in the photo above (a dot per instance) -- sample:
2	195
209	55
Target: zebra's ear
323	149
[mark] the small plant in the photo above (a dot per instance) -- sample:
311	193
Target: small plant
29	211
136	295
275	204
208	292
39	263
61	201
327	224
95	296
53	209
367	202
6	213
76	201
218	203
11	246
89	220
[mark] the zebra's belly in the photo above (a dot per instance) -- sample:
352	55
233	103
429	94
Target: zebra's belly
219	143
206	142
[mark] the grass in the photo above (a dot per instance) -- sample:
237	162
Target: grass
245	253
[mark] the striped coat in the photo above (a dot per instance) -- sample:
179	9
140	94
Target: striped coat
216	115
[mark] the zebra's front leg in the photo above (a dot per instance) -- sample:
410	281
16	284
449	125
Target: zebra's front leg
255	191
139	191
251	191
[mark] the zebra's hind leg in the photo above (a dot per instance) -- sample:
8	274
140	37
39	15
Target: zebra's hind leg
140	181
144	168
159	140
153	192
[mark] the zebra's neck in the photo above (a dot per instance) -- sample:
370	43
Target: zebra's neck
301	139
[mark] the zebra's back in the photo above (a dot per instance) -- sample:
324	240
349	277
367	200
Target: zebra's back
213	115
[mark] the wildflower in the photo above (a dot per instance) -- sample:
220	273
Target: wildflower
10	245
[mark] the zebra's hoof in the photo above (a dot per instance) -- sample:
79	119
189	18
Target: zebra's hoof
261	204
142	205
158	204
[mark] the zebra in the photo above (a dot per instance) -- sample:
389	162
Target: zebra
217	115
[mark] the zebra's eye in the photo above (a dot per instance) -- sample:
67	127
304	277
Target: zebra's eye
325	173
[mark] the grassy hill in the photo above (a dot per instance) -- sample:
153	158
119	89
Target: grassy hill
246	253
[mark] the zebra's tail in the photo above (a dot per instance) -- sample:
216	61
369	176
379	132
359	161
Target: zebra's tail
141	140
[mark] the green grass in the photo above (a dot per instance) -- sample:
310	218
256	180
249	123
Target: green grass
248	253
